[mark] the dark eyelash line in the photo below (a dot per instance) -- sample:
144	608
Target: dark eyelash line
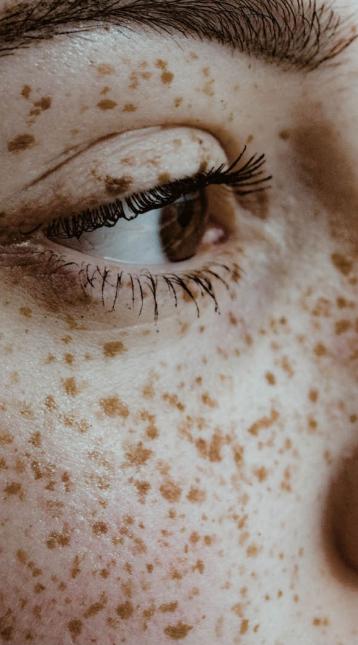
194	284
244	180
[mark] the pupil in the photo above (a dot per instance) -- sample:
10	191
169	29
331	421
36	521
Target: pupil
185	213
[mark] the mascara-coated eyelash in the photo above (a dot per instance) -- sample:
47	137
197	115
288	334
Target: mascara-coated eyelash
244	179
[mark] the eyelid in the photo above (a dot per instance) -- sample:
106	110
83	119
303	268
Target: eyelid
131	162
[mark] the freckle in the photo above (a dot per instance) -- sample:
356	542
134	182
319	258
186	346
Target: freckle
56	539
99	528
320	350
113	348
113	407
130	107
342	264
208	401
342	326
26	312
170	491
137	455
15	488
196	496
105	90
26	91
21	142
178	101
106	104
244	626
66	339
168	607
261	473
164	178
75	627
70	386
284	135
44	103
270	378
69	359
39	588
125	610
313	396
160	63
35	439
105	70
167	77
50	402
178	631
117	186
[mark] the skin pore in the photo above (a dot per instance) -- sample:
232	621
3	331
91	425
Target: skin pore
167	476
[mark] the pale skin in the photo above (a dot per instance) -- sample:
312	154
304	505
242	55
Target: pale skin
174	480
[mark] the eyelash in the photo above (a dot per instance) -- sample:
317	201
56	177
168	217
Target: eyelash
246	179
243	178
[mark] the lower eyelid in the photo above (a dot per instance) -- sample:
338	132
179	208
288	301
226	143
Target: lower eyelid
67	287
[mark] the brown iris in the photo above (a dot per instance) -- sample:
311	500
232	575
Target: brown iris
183	225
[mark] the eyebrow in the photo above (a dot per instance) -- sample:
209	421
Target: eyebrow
291	33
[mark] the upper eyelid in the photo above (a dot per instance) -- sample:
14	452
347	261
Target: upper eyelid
287	32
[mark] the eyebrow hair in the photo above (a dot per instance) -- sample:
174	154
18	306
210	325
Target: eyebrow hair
291	33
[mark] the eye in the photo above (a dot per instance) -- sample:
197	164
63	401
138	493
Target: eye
168	224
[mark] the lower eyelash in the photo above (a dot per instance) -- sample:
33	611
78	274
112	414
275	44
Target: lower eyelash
195	285
187	284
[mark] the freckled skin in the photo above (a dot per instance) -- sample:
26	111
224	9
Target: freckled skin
182	481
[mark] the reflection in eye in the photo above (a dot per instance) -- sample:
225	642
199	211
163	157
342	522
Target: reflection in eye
177	218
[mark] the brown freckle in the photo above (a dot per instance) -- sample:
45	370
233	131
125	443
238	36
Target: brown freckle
15	488
244	626
168	607
66	339
164	178
96	607
270	378
75	569
56	539
105	90
137	455
26	91
313	395
178	631
117	185
130	107
320	349
208	401
75	627
106	104
125	610
69	359
196	495
22	556
70	386
252	550
26	312
167	77
173	400
261	473
178	101
43	104
170	491
113	407
50	358
342	326
105	70
284	135
21	142
6	438
143	488
99	528
113	348
39	588
342	264
35	439
263	423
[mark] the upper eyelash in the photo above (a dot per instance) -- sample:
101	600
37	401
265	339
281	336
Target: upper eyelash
245	179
